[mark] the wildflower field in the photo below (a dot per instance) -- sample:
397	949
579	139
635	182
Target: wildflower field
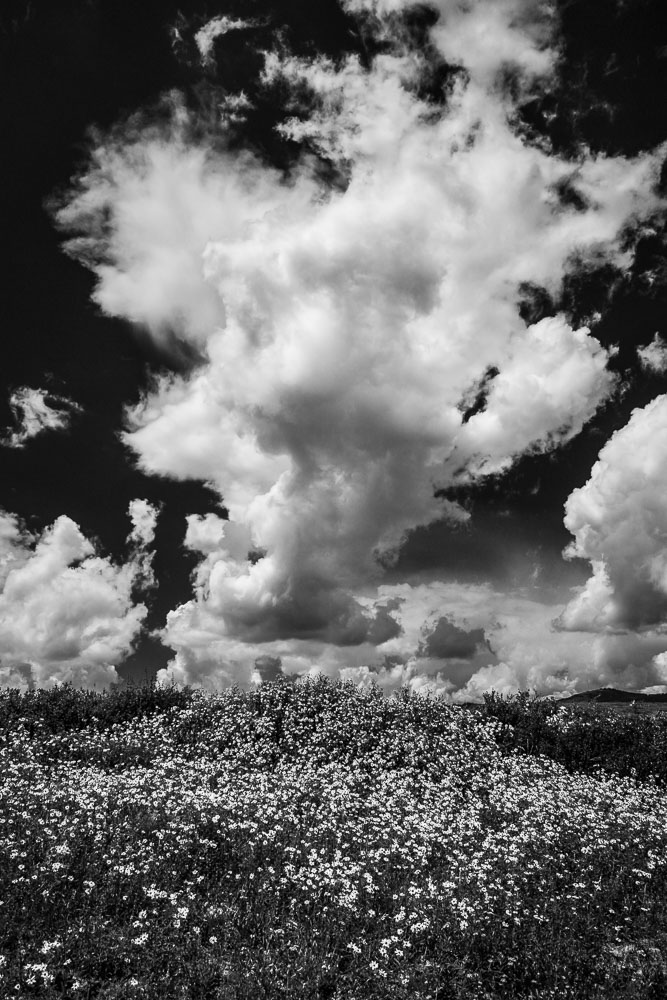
314	840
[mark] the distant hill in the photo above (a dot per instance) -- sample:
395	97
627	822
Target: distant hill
609	694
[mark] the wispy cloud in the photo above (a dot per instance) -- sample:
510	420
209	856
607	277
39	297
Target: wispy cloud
341	331
35	411
143	516
193	39
215	28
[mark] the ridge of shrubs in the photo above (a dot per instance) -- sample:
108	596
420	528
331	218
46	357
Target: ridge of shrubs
584	739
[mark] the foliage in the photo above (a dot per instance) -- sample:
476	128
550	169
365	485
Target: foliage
319	841
64	707
582	738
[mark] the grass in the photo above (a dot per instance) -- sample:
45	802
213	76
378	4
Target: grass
314	840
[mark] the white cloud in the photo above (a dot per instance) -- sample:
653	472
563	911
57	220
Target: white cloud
66	614
36	410
217	26
557	374
654	355
341	330
526	651
521	650
484	35
143	516
619	522
166	200
205	533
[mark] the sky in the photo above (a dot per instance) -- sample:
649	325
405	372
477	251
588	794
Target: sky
334	341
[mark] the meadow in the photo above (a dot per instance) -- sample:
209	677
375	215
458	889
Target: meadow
316	840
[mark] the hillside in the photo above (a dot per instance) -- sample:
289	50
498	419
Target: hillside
610	694
318	841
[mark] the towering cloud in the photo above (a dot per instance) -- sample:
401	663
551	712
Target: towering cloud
67	614
342	329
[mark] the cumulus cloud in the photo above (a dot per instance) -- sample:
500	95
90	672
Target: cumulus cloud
619	522
559	374
66	613
341	331
35	411
463	639
505	641
486	639
166	198
654	356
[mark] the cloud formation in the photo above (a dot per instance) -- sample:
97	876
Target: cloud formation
35	411
488	639
654	356
217	26
342	330
619	522
143	516
448	641
67	614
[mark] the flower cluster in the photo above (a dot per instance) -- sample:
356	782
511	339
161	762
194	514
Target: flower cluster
326	836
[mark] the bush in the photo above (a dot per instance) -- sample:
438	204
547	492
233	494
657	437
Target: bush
582	739
64	708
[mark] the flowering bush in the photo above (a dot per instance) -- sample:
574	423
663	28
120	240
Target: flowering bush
318	841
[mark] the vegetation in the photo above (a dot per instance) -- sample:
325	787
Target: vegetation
314	840
581	737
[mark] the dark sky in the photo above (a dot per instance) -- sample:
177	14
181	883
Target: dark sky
374	287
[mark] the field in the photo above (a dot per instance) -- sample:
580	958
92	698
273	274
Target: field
314	840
